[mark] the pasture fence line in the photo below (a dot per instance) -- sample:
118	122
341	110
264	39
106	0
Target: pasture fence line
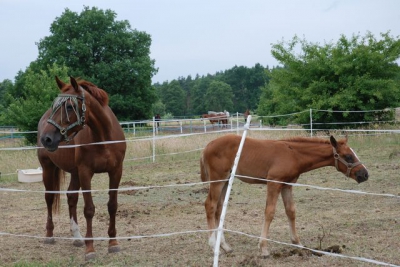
130	188
152	127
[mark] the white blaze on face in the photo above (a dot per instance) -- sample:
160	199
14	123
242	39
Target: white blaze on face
358	158
75	229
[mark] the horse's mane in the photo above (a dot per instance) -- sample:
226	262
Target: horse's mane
98	93
309	140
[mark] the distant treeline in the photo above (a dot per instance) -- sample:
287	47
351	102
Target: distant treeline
233	90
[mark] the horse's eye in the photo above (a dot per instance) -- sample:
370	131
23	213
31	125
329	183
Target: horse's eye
349	158
69	108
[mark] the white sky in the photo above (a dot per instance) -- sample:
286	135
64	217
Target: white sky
192	37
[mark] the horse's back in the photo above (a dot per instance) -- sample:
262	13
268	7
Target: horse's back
257	159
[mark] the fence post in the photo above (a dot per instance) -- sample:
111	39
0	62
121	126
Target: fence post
154	139
311	122
237	123
228	192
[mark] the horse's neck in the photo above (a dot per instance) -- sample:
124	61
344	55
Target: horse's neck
101	124
315	155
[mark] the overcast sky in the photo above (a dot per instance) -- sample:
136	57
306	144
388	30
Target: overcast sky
192	37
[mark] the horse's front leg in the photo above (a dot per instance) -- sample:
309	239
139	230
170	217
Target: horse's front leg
50	180
115	178
49	223
273	190
88	210
287	197
74	185
224	244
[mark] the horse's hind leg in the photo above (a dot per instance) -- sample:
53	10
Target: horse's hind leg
115	178
287	197
74	185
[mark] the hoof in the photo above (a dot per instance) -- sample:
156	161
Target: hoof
265	253
49	240
78	243
228	251
90	256
114	249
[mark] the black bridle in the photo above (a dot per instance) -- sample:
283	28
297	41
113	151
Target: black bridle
58	103
349	165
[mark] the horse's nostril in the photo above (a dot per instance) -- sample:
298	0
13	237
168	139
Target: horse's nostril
46	140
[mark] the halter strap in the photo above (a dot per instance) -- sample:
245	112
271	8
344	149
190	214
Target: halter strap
57	104
349	165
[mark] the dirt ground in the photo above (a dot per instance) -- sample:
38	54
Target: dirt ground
165	226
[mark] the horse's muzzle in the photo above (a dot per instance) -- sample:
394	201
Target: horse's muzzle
362	175
50	142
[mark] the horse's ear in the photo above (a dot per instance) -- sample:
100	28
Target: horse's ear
60	83
74	83
333	141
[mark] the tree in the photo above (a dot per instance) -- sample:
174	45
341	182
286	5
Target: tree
246	85
96	47
199	94
219	96
174	98
5	87
355	74
26	110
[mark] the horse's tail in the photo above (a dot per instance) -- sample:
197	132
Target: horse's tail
58	182
203	171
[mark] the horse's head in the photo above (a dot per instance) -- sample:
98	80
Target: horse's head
347	162
67	116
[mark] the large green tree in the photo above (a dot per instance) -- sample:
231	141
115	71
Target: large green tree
355	74
97	47
26	109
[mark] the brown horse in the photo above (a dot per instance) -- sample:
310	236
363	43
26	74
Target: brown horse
218	118
279	160
80	115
